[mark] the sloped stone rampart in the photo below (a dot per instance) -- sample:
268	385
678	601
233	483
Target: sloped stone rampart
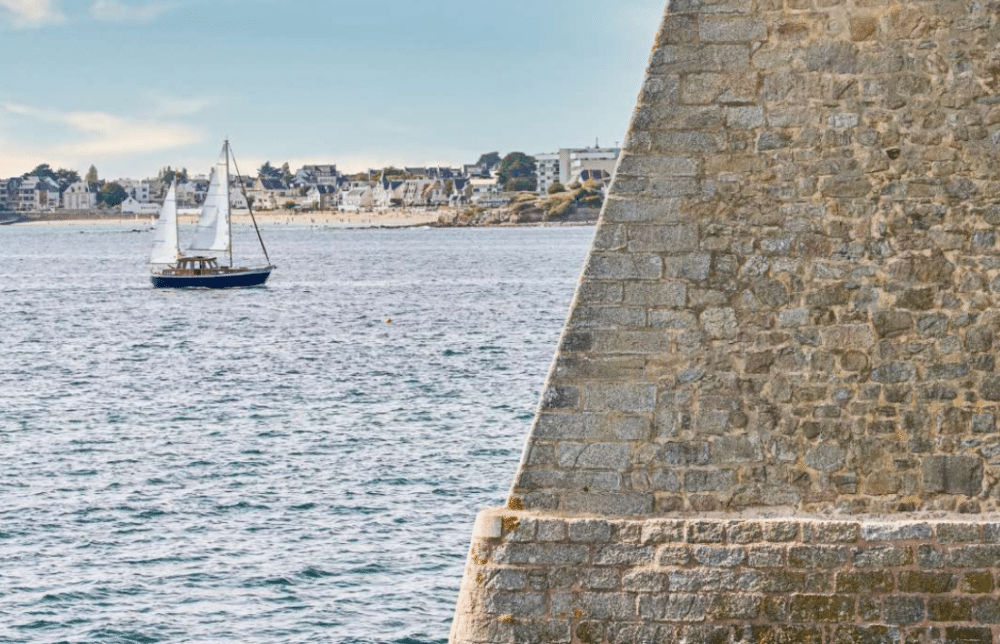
792	298
730	581
791	307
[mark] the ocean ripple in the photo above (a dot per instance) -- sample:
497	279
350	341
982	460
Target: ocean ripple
264	466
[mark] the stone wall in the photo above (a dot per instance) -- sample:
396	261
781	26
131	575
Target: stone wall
790	307
726	581
792	298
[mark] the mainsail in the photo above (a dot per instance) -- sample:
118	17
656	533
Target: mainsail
212	235
165	243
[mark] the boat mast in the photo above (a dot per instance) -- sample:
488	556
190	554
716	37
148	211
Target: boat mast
229	214
177	222
243	189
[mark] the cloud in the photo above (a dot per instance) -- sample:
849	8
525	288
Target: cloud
105	135
33	14
115	11
169	106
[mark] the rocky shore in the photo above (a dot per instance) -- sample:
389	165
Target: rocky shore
581	205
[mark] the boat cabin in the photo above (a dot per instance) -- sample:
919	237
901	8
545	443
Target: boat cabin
196	266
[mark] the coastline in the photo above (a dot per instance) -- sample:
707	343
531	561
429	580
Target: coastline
408	218
388	219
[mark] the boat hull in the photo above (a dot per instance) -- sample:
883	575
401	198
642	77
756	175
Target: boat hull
252	277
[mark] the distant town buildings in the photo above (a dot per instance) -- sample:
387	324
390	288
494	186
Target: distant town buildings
576	165
319	186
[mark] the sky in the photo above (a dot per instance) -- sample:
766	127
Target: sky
131	86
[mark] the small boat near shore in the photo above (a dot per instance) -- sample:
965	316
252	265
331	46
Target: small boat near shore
213	237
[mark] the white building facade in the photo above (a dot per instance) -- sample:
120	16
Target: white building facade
567	165
79	196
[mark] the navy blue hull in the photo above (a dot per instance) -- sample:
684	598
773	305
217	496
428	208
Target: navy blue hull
230	280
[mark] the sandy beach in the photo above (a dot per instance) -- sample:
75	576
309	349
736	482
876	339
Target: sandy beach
391	219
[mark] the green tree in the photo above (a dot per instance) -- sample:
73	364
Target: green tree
168	175
449	188
556	188
268	171
489	159
290	205
392	173
111	195
286	172
517	165
66	178
44	170
522	184
91	177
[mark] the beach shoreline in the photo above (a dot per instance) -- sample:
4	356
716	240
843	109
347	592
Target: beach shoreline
386	219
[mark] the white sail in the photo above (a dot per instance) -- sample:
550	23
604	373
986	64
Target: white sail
212	235
165	245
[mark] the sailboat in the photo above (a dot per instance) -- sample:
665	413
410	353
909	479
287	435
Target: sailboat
213	238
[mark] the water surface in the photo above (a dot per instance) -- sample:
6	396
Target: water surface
264	465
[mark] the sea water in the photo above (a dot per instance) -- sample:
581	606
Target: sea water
296	463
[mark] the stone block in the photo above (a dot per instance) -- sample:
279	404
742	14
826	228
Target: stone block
882	557
896	531
765	557
967	635
719	323
624	267
978	582
728	29
866	583
953	475
706	532
623	555
949	609
809	609
924	582
670	239
720	557
973	556
817	556
673	608
627	398
735	607
902	610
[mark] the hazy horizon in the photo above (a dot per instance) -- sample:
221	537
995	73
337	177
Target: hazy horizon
131	87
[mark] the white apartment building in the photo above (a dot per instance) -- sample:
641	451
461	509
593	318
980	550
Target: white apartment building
548	170
566	165
138	190
37	195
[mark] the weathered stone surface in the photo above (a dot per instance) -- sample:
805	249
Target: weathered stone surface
790	311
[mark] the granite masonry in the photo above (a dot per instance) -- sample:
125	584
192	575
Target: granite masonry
772	417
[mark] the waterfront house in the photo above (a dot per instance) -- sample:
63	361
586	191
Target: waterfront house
6	203
484	190
236	199
322	197
413	192
448	192
318	175
358	199
138	190
192	193
271	194
37	194
80	196
388	194
132	206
